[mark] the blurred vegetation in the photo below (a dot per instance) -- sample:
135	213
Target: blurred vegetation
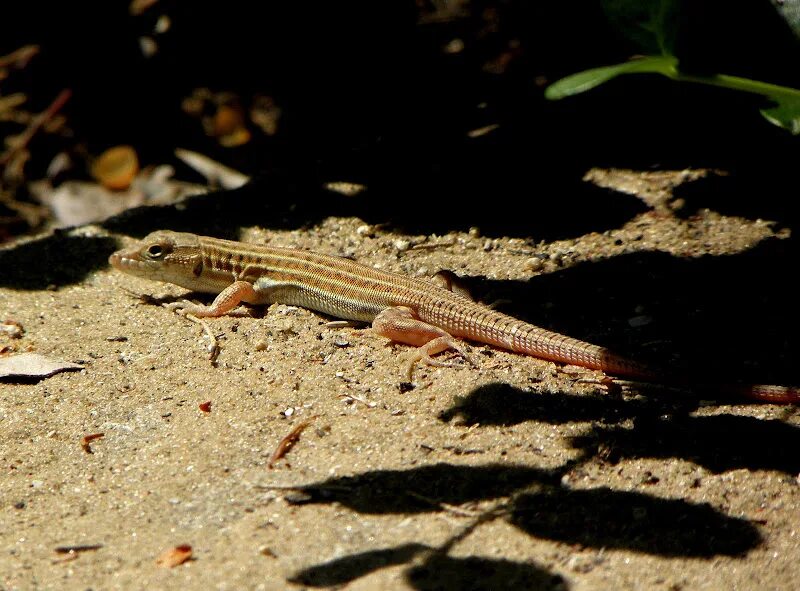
654	26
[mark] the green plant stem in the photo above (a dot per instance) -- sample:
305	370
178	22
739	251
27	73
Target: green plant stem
734	82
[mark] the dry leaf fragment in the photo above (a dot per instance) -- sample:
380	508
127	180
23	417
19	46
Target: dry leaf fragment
148	46
473	133
205	406
82	202
162	25
19	58
345	188
137	7
226	120
87	439
172	557
216	173
116	168
33	365
287	443
265	113
12	101
239	137
228	127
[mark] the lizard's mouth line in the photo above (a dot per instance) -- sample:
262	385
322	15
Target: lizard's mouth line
121	262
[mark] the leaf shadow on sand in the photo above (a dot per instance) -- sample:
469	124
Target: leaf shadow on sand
534	501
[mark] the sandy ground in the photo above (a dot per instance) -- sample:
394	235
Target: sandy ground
517	474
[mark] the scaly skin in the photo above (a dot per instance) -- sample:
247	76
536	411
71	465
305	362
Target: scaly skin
406	309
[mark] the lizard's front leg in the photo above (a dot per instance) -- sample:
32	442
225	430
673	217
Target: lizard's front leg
400	324
230	297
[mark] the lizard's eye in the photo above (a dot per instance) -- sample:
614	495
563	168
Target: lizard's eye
155	250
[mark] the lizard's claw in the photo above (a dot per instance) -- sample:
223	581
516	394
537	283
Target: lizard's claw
432	347
182	307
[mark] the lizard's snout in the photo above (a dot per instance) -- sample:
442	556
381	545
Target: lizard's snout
115	260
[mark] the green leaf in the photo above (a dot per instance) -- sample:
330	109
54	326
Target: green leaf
651	24
588	79
785	113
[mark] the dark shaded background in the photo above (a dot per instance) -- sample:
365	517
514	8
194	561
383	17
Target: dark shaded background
368	94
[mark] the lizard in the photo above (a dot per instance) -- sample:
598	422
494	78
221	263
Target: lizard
430	315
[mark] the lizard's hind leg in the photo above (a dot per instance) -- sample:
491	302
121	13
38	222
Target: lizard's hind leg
399	324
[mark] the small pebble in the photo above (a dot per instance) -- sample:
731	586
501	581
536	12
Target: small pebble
341	341
454	46
534	264
637	321
297	498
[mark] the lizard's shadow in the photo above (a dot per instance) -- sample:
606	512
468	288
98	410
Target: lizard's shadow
732	316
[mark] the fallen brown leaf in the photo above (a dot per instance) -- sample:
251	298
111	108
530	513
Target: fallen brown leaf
33	365
172	557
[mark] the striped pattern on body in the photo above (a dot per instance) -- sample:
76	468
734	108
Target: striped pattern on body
343	288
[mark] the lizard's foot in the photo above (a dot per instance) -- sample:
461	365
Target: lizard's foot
182	307
401	325
437	345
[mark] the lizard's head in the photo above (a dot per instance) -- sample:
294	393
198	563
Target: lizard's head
162	256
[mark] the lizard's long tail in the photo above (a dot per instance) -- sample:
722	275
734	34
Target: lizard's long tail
509	333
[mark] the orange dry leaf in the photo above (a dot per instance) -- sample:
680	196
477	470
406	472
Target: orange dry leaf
228	126
116	168
174	556
226	120
205	406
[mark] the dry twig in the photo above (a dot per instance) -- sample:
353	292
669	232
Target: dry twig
287	443
36	123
